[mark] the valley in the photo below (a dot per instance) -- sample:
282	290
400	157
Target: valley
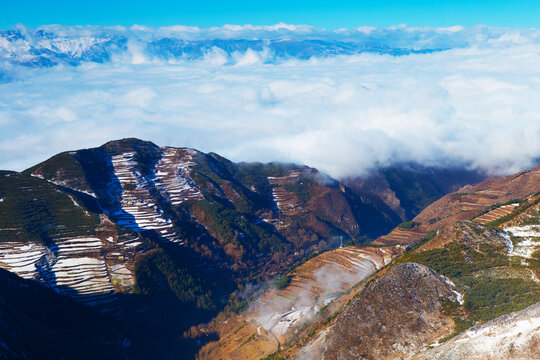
275	180
251	260
489	269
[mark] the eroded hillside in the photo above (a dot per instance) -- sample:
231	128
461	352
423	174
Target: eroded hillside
390	318
313	291
492	269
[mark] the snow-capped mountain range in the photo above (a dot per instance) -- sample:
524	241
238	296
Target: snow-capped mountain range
53	44
44	49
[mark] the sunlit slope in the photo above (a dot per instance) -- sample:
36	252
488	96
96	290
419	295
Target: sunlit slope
34	210
468	202
142	231
47	234
509	337
314	290
239	215
491	269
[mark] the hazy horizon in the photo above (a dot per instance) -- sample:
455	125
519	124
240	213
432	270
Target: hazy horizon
463	95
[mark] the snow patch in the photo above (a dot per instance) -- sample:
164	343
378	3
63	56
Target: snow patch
459	296
524	231
508	243
528	240
73	201
135	211
487	339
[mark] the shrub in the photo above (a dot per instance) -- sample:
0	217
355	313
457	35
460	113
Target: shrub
408	224
494	297
283	281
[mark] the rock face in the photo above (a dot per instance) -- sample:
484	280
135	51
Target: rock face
508	337
390	318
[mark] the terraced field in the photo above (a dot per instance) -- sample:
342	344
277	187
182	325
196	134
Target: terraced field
523	237
137	211
277	314
403	236
86	222
49	236
496	214
35	210
172	176
316	284
137	185
467	203
83	268
285	200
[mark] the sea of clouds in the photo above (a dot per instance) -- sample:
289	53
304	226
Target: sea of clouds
473	99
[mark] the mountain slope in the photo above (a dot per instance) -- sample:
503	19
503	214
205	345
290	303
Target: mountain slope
466	203
47	47
491	267
235	214
390	318
35	210
509	337
407	189
165	238
38	323
303	298
47	234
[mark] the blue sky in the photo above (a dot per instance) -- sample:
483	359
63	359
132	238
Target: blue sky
326	14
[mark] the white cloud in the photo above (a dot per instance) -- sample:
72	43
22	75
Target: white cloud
476	105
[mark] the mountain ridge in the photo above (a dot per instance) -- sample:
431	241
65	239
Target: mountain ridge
41	48
167	220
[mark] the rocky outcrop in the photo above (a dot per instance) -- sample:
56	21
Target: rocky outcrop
392	317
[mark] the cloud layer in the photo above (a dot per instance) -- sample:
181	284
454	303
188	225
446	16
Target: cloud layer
475	104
